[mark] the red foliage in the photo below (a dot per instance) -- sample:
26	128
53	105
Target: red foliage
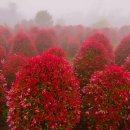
56	51
52	31
33	31
63	32
72	46
11	66
44	96
2	53
106	100
3	108
91	57
62	35
44	40
21	43
69	40
3	42
99	37
80	33
126	65
122	51
6	32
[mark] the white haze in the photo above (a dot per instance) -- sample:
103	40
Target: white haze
86	12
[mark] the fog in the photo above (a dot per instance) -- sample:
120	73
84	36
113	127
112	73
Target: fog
86	12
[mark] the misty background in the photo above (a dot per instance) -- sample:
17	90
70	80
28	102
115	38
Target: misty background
113	13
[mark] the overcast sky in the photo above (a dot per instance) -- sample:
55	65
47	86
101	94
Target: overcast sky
89	11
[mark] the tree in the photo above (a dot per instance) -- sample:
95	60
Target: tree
102	23
43	18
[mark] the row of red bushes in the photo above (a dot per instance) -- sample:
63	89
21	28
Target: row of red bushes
47	95
34	41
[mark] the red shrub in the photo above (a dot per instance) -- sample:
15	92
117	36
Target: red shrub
107	100
122	51
99	37
56	51
68	41
2	53
91	57
44	96
44	40
52	31
3	42
6	32
21	43
126	65
33	31
3	108
62	36
72	46
80	33
11	66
